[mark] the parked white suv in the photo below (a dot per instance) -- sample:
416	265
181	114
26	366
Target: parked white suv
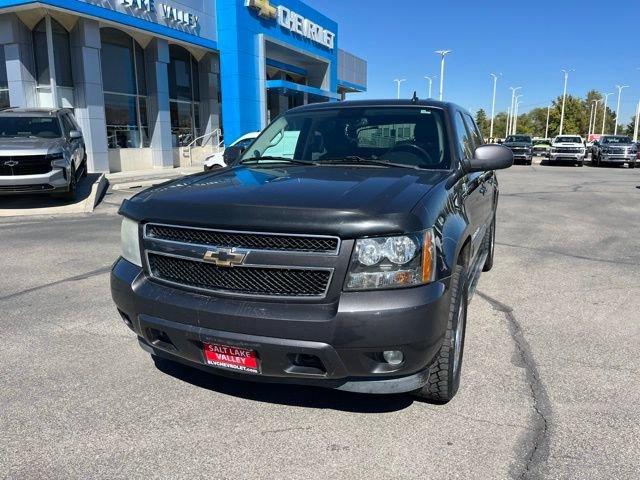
569	148
217	159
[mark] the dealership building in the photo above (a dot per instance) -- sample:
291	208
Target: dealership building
159	83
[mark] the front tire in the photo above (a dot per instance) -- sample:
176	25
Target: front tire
444	377
70	195
632	165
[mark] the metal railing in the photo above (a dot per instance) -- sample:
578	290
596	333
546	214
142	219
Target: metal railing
185	151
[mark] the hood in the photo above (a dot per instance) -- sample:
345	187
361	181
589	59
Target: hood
30	146
333	200
568	144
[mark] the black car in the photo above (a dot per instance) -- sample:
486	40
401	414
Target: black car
521	146
614	149
341	251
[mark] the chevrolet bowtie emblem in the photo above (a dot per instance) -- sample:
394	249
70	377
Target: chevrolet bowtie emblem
265	9
11	163
224	257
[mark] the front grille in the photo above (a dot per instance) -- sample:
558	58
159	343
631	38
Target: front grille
24	165
253	241
282	282
568	150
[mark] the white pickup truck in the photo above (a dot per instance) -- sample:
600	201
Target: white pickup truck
570	148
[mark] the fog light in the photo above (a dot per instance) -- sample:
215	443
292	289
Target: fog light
393	357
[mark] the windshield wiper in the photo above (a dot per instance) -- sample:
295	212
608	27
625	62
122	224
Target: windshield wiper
355	159
278	160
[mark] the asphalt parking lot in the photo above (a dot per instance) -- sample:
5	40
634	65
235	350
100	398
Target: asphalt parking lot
550	382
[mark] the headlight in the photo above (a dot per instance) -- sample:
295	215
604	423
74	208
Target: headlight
58	160
130	241
392	262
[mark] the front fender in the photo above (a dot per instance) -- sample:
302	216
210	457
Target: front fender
455	233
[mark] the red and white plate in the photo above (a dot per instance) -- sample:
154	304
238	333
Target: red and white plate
230	357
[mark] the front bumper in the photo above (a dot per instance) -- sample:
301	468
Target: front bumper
347	336
560	156
57	180
618	158
521	155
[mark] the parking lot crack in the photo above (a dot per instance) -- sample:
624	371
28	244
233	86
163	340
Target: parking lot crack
74	278
537	439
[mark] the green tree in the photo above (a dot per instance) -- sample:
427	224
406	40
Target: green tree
629	128
577	117
481	121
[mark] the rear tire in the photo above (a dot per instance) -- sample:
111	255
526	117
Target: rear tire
444	377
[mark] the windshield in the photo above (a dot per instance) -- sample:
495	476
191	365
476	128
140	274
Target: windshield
541	142
18	126
568	140
407	136
616	140
518	139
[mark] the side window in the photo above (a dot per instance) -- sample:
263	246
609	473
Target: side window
476	136
464	140
67	125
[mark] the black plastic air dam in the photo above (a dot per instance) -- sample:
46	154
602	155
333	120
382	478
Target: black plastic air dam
345	335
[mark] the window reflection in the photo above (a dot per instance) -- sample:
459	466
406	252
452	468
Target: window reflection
124	84
184	95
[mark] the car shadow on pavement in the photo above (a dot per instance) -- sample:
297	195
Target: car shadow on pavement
292	395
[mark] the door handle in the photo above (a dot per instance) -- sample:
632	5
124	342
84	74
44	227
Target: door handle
483	189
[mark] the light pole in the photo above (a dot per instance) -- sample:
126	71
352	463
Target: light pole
398	82
506	133
430	83
564	98
604	113
592	124
442	53
513	96
635	128
515	117
620	88
493	102
546	130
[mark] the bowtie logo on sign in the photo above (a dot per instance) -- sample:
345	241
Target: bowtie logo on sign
265	9
294	22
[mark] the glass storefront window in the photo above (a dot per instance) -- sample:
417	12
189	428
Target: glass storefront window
184	95
124	84
61	49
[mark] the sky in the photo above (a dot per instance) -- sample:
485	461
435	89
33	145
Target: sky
529	43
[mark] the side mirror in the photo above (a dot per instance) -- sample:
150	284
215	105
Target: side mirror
231	155
75	134
490	157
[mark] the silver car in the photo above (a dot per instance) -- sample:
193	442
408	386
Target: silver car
41	151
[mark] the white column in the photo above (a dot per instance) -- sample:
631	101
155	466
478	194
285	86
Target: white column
18	50
89	97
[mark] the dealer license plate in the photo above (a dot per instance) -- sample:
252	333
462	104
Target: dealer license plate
230	357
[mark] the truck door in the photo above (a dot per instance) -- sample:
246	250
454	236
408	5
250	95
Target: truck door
472	183
487	179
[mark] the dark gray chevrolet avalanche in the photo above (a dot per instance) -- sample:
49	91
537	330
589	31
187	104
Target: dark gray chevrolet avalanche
340	250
